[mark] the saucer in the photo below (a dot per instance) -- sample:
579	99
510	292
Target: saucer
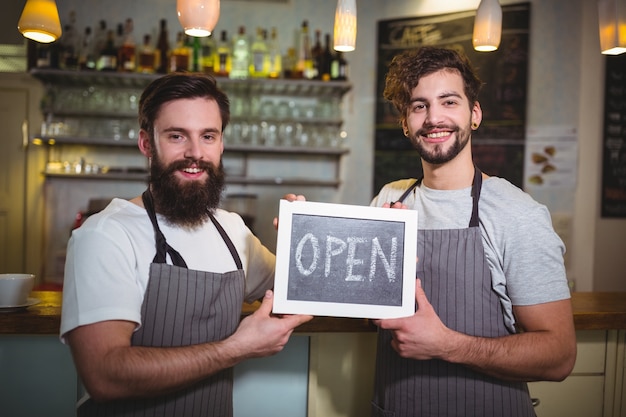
29	302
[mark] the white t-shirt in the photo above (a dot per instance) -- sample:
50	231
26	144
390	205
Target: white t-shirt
109	257
524	253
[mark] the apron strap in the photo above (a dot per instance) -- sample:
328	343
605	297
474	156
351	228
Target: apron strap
162	247
477	185
229	243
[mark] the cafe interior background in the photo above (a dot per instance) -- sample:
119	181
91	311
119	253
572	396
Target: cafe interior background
565	97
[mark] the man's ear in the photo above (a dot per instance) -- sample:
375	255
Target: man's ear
144	143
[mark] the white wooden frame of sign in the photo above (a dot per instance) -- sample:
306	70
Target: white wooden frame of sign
407	218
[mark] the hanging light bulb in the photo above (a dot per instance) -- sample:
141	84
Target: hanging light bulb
345	26
612	17
487	26
198	17
40	21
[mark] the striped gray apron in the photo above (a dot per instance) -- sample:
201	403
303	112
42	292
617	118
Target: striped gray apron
184	307
457	281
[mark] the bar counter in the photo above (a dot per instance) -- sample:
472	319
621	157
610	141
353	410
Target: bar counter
592	311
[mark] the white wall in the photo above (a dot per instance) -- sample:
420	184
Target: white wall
565	88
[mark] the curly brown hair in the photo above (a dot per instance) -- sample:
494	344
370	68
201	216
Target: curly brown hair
408	67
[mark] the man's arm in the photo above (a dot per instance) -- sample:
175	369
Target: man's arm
545	349
111	368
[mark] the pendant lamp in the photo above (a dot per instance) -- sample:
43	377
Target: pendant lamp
198	17
487	26
612	17
345	26
40	21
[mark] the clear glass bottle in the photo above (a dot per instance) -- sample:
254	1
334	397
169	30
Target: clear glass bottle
276	58
146	59
127	59
304	64
180	58
260	62
87	54
240	56
223	57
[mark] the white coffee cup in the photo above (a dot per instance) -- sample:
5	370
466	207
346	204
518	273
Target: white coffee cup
15	288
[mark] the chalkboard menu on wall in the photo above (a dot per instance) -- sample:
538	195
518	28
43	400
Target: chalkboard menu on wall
614	140
498	145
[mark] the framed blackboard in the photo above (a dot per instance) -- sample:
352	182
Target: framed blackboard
345	261
614	140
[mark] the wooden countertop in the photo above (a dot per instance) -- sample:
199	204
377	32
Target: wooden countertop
592	311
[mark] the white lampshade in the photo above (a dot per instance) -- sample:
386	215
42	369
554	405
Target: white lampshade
40	21
487	26
612	17
198	17
345	26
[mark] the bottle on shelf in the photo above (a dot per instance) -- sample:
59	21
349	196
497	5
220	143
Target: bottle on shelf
289	64
223	56
304	64
100	36
69	43
240	55
326	59
339	67
276	59
163	48
146	58
127	51
316	55
260	62
108	55
208	47
86	54
180	57
194	47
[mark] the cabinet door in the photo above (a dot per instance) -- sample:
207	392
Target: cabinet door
13	113
578	395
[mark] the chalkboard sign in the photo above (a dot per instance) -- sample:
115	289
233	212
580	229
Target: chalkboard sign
345	261
614	141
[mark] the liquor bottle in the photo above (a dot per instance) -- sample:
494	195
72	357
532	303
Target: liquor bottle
326	59
195	53
209	50
289	64
87	55
304	65
339	67
69	43
240	56
108	55
163	48
127	52
180	57
223	57
146	59
100	36
276	59
316	56
260	62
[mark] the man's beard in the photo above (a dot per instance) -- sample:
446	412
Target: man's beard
438	156
185	203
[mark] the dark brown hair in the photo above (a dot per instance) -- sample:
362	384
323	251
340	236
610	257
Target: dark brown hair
407	68
179	85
